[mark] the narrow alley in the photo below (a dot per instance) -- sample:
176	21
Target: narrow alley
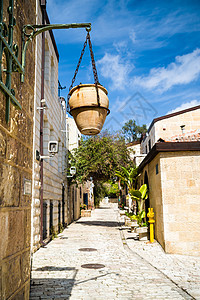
98	258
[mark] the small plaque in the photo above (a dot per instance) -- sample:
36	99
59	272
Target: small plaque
27	187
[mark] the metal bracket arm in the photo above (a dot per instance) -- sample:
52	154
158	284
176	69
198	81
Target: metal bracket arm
37	29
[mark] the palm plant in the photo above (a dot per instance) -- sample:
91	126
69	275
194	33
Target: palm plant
140	196
128	176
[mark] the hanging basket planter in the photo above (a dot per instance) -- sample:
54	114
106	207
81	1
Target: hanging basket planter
88	103
88	114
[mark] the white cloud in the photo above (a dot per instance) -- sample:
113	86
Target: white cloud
133	36
184	70
184	106
112	67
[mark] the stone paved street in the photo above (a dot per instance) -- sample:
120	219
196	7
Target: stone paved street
132	269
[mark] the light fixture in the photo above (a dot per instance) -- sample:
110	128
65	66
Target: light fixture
43	105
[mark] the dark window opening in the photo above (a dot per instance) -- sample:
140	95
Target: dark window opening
149	145
156	169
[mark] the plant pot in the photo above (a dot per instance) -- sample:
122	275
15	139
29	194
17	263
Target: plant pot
85	213
143	233
122	212
89	117
126	220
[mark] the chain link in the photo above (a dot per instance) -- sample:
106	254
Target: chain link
96	80
93	67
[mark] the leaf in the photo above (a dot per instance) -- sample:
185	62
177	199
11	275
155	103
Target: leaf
135	193
126	173
142	214
143	190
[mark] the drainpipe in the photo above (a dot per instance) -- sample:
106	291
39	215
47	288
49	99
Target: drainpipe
43	7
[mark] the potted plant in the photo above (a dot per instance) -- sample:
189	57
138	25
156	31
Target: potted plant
129	178
84	211
88	112
140	196
130	221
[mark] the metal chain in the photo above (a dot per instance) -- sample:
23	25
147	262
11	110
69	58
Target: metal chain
76	71
96	80
93	67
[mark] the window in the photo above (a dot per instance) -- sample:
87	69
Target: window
149	144
156	169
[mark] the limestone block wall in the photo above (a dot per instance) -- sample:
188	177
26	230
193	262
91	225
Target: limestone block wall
155	196
181	200
15	168
169	127
74	202
55	130
74	134
174	189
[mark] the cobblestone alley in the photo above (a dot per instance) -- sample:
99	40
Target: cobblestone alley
129	269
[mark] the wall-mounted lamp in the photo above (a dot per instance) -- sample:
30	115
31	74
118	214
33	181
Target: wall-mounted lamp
11	50
43	105
72	172
52	149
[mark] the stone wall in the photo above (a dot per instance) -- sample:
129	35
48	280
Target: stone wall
16	167
54	129
155	196
174	189
169	127
181	200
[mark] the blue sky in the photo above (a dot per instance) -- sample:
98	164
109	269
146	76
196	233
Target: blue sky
147	54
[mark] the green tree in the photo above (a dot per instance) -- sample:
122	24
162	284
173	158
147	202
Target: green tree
100	157
132	132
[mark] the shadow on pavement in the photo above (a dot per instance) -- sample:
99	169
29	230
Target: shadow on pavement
99	223
56	288
52	268
136	238
53	288
103	207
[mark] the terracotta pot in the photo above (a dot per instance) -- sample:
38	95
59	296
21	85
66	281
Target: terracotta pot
89	117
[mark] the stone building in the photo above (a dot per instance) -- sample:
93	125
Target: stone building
135	152
170	125
77	193
16	146
49	209
171	171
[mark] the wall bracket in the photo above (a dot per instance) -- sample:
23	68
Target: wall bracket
10	50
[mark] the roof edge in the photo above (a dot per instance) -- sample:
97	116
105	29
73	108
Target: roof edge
172	115
168	147
43	6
